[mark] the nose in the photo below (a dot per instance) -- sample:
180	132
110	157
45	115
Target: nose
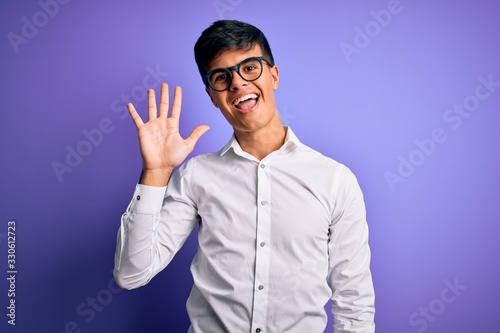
237	81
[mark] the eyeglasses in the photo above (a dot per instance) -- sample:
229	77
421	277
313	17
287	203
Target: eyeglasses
220	79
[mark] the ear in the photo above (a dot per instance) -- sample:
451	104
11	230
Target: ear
209	92
275	74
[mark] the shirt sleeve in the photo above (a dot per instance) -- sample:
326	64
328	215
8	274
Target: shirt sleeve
154	227
349	260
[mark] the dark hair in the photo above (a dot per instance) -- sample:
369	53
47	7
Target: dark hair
226	35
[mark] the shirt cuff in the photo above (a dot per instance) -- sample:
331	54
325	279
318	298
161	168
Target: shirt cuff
147	199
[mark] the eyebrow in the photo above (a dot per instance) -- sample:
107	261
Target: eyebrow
235	65
254	56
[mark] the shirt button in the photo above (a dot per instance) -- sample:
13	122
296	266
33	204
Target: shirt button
261	287
258	330
262	166
263	202
138	197
262	244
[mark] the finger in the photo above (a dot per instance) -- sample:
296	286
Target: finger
177	104
151	104
135	116
164	100
196	134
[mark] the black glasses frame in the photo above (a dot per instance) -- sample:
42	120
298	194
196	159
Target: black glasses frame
229	71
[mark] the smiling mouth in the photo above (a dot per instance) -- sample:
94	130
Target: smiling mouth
246	103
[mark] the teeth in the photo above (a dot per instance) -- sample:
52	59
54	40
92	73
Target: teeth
244	98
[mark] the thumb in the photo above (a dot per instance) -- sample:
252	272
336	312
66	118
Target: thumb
196	134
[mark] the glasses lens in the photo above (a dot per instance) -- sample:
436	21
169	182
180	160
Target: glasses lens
220	79
251	69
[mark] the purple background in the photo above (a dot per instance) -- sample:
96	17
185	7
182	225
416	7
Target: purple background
438	227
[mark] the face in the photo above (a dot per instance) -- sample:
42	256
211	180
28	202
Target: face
247	106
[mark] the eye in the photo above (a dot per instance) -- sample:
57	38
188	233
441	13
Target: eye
219	77
250	67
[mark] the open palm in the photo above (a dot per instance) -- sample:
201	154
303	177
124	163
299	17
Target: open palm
162	147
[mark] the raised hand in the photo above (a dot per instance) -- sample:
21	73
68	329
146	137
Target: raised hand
162	147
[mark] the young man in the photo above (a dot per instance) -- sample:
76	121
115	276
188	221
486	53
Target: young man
282	228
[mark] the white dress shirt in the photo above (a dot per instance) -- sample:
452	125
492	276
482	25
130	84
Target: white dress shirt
278	238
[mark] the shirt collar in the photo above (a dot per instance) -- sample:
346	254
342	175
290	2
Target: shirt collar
291	141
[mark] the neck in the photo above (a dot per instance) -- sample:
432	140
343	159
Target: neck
262	142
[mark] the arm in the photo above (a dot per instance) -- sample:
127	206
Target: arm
349	272
146	242
154	227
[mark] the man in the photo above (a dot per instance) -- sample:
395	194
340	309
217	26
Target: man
282	228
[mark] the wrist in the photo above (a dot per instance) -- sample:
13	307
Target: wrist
158	177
